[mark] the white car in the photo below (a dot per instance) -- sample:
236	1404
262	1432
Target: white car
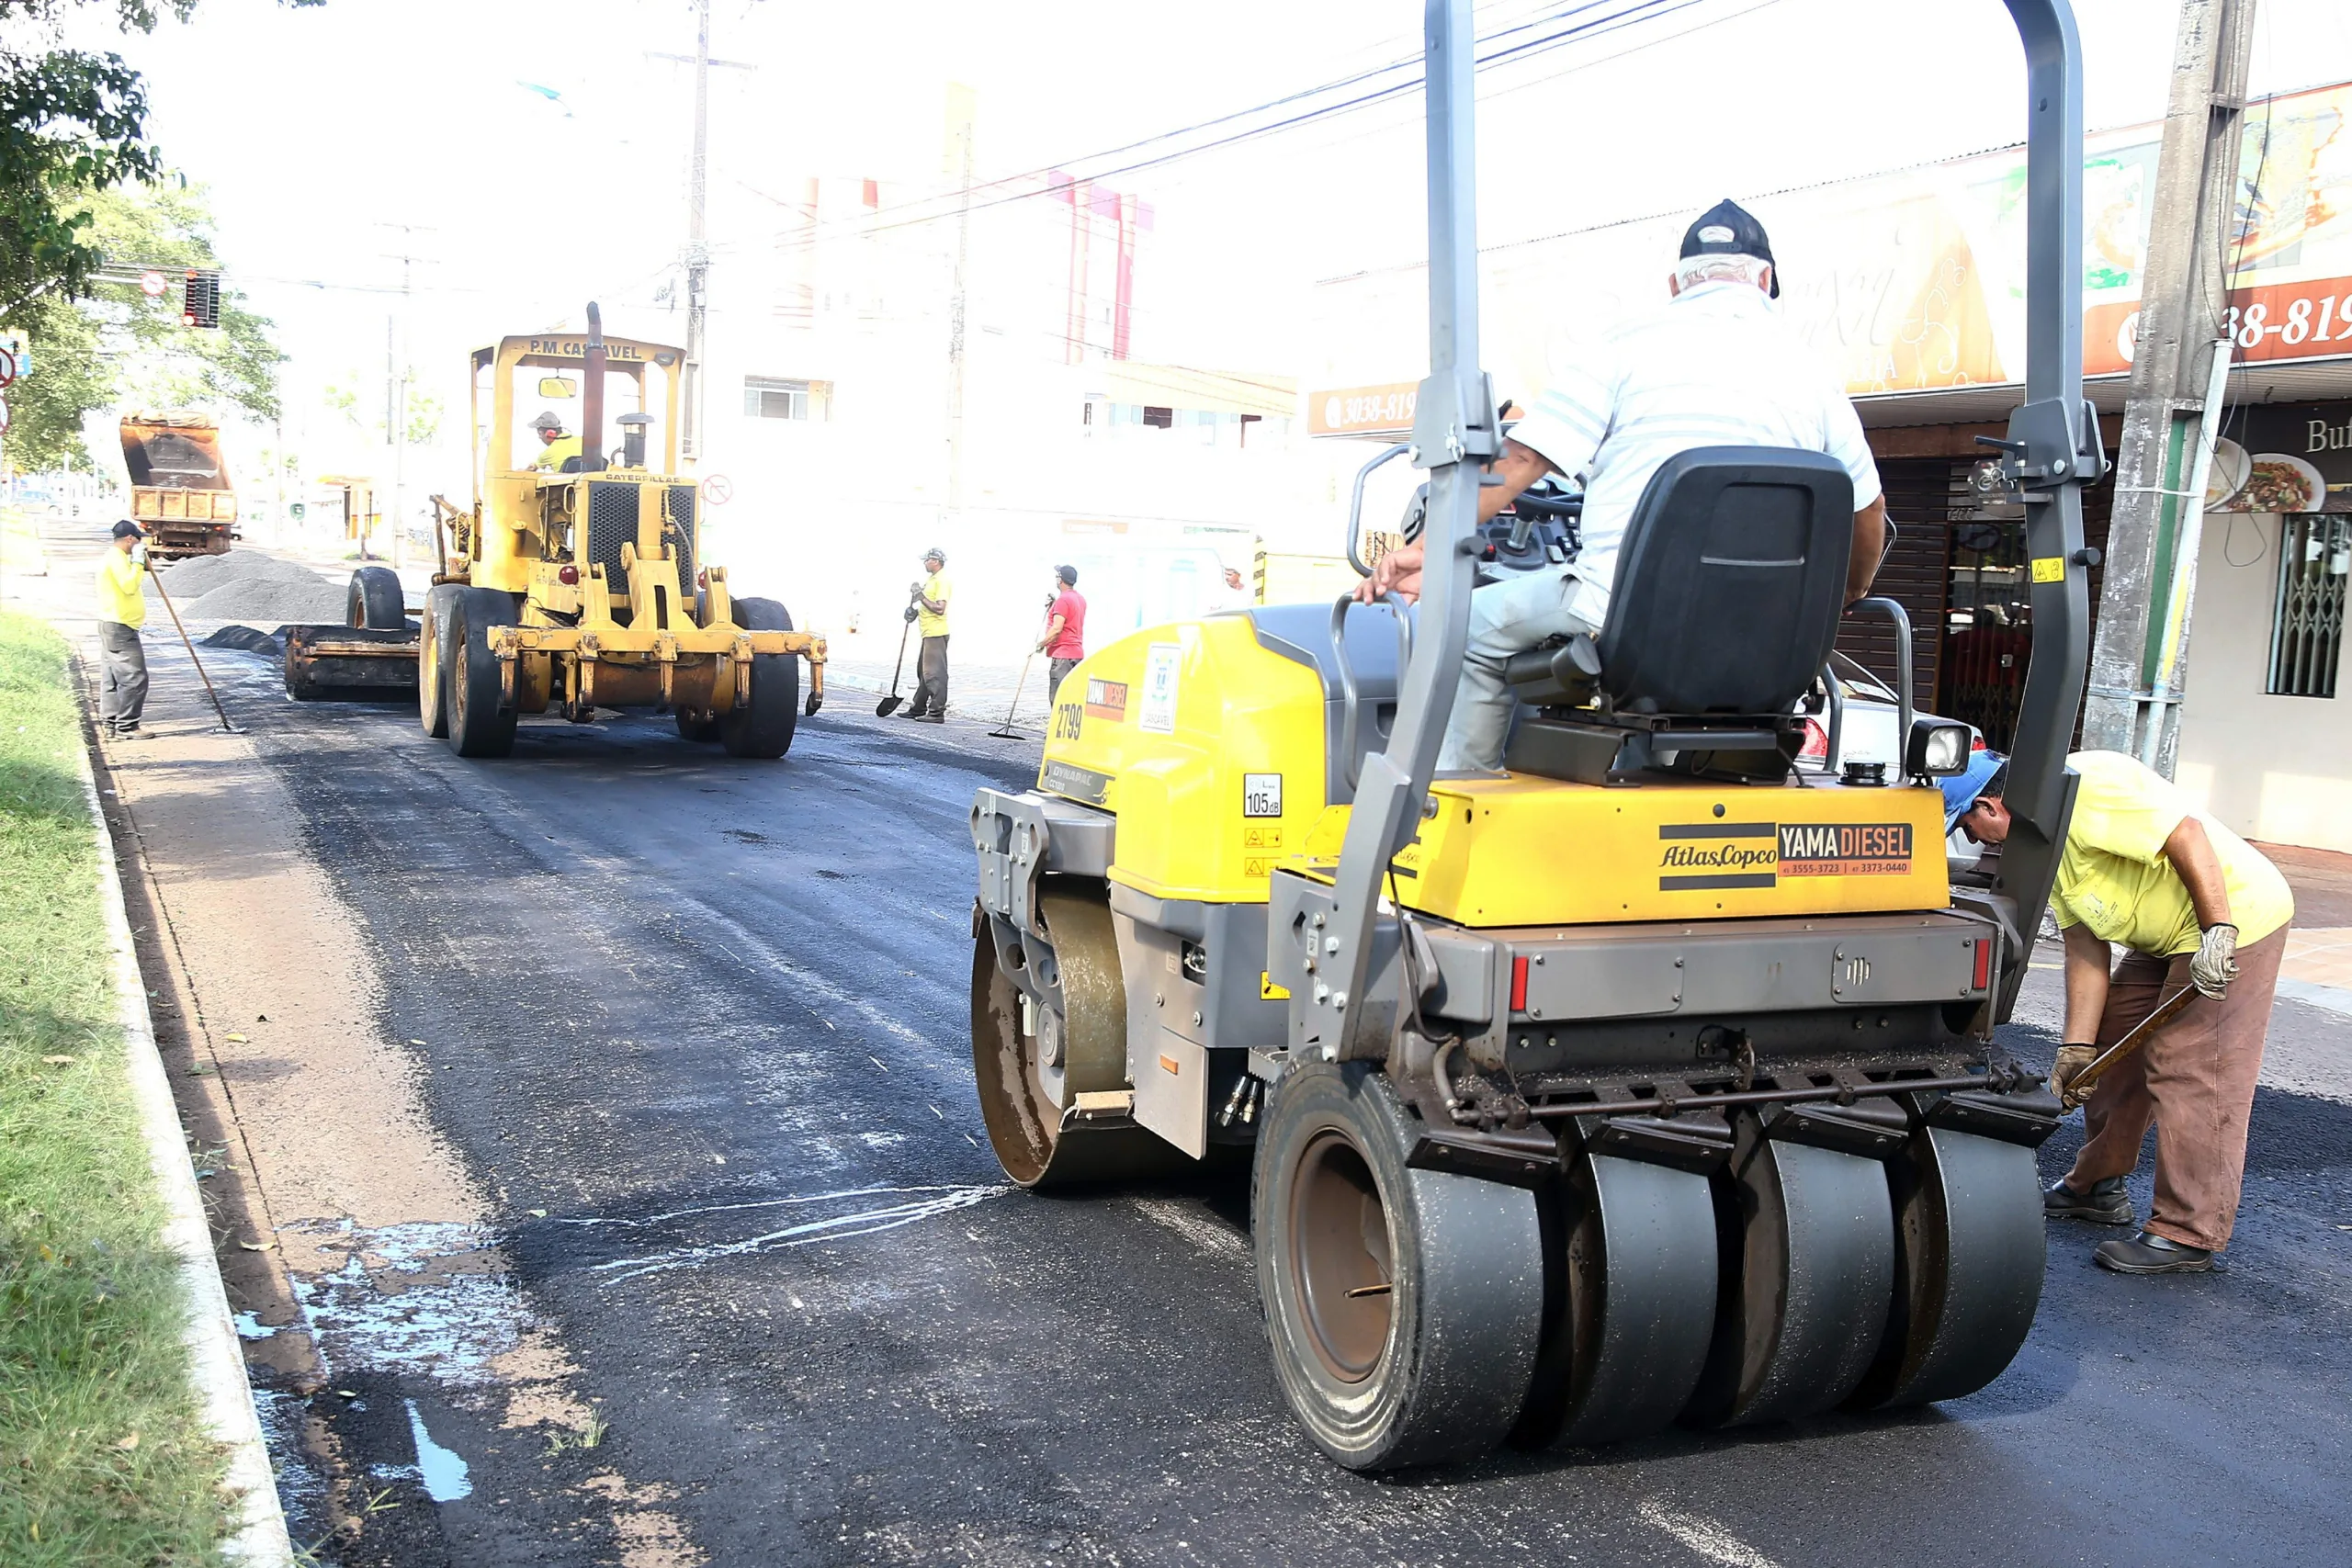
1868	734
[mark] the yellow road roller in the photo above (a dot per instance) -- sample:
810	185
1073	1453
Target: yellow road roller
572	583
1651	1079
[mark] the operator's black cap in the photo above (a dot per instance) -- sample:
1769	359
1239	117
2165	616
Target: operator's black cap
1730	230
127	529
1068	574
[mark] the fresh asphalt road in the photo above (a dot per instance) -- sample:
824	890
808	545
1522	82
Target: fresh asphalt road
699	1027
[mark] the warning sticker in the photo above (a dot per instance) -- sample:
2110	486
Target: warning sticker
2049	569
1261	838
1163	669
1262	795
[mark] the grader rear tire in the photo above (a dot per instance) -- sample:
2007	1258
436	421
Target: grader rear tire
478	727
1403	1306
432	669
1025	1097
763	728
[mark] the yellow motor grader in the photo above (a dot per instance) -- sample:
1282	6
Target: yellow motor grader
1651	1078
575	581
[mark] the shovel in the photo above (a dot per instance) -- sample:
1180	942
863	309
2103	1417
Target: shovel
192	659
1005	731
889	705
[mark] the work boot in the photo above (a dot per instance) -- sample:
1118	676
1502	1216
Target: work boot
933	718
2144	1252
2107	1204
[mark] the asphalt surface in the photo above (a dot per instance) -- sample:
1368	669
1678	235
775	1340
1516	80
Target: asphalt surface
700	1027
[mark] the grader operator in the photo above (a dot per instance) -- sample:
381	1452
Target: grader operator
1650	1078
570	585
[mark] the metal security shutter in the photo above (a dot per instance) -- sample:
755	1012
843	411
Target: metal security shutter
1923	497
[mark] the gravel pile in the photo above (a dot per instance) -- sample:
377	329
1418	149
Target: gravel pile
246	585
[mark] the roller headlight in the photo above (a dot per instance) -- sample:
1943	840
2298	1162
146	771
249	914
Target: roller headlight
1938	749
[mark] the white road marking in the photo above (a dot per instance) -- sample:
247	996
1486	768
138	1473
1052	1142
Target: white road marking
837	1227
1704	1536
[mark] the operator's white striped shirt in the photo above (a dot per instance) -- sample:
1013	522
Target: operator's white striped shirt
1716	368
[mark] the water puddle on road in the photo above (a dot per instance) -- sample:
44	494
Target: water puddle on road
441	1470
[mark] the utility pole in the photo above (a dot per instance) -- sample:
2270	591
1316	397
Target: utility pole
396	387
697	250
2179	368
961	109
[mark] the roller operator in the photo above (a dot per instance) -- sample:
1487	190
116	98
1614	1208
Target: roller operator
1716	367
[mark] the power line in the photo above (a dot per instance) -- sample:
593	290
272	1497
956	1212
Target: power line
1629	15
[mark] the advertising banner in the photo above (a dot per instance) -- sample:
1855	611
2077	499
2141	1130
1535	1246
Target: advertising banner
1913	280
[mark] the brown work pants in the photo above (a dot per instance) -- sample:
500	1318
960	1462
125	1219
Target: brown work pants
2194	1079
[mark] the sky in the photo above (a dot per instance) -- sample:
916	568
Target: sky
530	156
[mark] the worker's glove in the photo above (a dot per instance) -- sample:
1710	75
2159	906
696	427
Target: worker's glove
2216	964
2072	1060
914	589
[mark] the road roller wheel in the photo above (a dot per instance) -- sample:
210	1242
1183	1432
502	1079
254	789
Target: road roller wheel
1807	1251
1031	1061
432	669
1969	1258
478	727
1403	1306
375	600
763	728
1631	1310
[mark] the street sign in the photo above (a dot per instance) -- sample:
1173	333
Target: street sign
4	416
717	489
152	284
7	368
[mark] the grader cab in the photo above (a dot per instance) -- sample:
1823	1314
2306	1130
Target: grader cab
575	581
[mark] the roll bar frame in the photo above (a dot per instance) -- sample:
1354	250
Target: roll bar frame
2052	451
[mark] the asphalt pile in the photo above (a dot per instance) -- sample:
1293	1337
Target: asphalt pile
246	585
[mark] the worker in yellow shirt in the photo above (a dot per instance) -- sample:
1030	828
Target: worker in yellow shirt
556	449
930	620
122	610
2192	905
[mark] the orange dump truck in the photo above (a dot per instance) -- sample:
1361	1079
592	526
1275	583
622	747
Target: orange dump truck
179	485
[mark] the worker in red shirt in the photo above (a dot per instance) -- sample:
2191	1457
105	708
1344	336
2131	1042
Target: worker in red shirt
1065	638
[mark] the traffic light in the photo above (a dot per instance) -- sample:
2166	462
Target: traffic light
200	301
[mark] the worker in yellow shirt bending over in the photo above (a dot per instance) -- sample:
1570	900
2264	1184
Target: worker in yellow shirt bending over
122	609
2192	905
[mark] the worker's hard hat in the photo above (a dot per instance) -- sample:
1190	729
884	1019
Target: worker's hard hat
934	553
547	422
1728	229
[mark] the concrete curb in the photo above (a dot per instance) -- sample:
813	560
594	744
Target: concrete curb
216	1358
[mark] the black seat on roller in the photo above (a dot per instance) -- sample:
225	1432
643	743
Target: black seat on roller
1728	589
1729	583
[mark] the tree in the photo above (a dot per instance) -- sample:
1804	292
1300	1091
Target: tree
71	122
117	346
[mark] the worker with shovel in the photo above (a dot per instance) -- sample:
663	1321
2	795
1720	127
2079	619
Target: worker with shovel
122	609
2197	910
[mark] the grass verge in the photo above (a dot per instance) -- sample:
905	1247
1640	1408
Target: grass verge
103	1458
